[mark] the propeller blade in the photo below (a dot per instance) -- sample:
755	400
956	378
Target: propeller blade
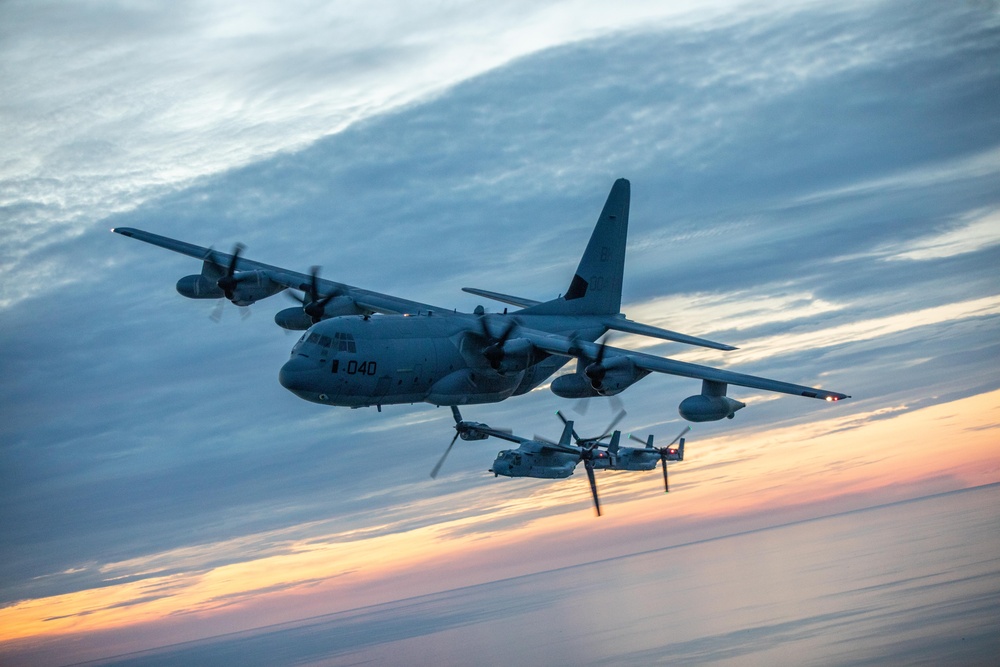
314	283
227	283
456	414
507	331
434	472
214	261
593	485
614	422
216	315
234	260
663	460
538	438
632	436
680	435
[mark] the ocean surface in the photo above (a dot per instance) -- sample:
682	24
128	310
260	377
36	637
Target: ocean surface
912	583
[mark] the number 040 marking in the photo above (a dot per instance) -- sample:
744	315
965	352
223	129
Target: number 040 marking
364	368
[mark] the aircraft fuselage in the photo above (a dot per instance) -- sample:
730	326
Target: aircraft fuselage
365	361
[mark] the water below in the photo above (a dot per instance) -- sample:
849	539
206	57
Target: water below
911	583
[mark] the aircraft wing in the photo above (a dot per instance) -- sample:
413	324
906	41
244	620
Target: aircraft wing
616	322
628	326
366	299
502	435
561	345
518	301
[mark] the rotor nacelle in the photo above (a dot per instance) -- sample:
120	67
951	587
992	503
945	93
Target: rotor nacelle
472	430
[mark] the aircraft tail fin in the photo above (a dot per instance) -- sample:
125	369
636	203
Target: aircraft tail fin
596	288
566	439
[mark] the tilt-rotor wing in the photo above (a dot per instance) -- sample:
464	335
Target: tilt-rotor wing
366	300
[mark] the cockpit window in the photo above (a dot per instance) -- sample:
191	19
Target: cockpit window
313	338
345	342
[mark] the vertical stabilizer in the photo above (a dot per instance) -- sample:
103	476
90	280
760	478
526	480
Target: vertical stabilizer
596	288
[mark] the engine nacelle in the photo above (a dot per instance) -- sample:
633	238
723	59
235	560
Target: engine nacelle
702	408
517	356
296	319
293	319
614	376
199	287
574	385
252	286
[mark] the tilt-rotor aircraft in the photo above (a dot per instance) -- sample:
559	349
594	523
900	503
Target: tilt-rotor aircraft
541	458
363	348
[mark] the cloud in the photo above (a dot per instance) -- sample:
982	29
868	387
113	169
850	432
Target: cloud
979	230
773	161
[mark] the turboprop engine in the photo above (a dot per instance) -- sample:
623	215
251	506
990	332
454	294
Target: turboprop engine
599	378
216	281
243	288
710	405
297	319
511	356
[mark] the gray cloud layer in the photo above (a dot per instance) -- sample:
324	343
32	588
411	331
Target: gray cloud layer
775	155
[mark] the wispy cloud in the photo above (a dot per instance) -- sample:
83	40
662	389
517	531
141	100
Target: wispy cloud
147	451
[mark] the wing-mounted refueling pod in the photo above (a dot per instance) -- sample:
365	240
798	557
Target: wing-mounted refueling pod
711	404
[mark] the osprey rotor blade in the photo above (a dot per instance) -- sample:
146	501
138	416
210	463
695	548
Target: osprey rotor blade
593	485
434	472
680	435
663	460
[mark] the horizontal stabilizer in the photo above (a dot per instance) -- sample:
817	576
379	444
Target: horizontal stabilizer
628	326
503	298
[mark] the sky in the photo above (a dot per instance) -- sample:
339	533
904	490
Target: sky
816	184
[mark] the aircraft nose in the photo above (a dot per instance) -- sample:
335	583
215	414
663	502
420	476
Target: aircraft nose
295	375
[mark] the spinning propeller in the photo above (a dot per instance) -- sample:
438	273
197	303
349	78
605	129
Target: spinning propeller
494	351
227	281
469	431
588	452
595	370
608	432
313	303
662	452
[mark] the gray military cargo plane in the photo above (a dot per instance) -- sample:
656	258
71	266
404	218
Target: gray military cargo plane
363	348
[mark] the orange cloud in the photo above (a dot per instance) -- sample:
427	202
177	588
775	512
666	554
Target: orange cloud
543	525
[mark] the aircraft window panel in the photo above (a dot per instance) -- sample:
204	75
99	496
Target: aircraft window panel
313	338
351	347
343	345
325	341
